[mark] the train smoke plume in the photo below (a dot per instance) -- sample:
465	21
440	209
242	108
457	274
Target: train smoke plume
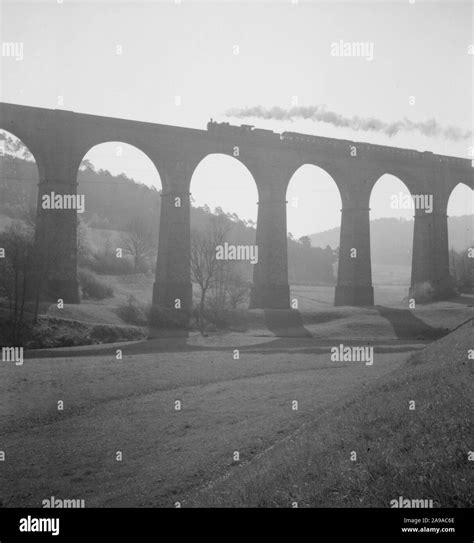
320	113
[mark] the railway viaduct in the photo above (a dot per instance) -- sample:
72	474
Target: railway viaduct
60	139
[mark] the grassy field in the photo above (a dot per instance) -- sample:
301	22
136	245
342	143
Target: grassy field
128	406
391	275
311	300
318	297
96	322
228	405
245	404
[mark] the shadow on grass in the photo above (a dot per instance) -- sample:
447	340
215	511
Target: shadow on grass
285	323
161	333
407	326
465	299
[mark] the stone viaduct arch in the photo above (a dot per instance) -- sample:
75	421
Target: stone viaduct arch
291	191
461	191
60	139
380	184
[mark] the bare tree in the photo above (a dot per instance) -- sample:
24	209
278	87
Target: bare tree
204	263
83	243
139	241
42	263
229	288
16	274
238	288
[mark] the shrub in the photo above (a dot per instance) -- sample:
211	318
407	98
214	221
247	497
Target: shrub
422	292
92	287
162	317
220	317
107	263
133	312
462	270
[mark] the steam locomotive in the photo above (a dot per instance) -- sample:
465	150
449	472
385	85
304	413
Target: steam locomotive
265	135
242	130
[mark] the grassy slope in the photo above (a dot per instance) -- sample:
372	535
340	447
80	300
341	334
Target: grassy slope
415	454
52	332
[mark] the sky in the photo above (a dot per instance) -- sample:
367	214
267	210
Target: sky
134	59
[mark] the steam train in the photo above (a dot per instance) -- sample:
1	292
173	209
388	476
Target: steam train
266	136
260	133
242	130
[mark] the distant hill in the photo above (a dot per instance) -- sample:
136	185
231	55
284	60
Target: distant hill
392	239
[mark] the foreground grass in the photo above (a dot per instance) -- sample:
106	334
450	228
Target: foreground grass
417	454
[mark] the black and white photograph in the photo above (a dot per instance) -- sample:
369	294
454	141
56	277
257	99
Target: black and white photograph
236	267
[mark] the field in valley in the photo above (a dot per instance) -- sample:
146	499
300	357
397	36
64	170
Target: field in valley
228	405
128	405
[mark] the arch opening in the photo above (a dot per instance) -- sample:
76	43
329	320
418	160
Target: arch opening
391	239
313	226
224	208
118	228
460	211
19	177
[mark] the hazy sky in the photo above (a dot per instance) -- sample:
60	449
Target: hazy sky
132	60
